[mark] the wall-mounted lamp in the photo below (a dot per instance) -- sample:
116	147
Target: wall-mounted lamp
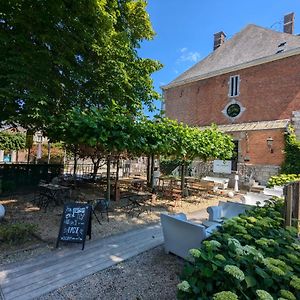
270	144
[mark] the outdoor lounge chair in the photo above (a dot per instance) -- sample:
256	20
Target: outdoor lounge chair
226	210
181	235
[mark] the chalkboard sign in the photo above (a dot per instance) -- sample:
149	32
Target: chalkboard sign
76	223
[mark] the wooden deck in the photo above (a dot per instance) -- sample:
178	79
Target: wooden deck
40	275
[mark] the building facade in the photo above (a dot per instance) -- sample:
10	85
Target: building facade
250	87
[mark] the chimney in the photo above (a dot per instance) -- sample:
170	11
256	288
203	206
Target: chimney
219	39
288	26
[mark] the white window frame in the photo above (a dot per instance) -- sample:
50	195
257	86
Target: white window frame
234	86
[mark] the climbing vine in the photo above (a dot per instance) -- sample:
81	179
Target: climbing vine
291	164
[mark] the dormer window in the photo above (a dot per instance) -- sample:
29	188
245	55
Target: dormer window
234	86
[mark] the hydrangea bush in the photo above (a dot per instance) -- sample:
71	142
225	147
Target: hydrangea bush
251	257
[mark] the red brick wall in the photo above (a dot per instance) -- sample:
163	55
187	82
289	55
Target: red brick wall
268	92
253	145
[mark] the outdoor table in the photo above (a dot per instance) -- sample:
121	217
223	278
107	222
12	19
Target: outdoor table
138	203
52	193
138	183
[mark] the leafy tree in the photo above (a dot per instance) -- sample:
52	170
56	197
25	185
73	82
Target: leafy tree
56	55
12	141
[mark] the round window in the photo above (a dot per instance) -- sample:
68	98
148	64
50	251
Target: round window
233	110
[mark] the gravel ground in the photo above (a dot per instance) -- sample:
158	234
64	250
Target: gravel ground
150	275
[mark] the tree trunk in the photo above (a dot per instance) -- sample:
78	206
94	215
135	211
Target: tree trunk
151	171
148	170
28	156
116	191
49	153
108	178
95	167
75	161
182	179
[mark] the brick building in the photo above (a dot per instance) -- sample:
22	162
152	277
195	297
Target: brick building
250	87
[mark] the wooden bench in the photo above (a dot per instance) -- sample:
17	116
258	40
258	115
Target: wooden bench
201	187
173	192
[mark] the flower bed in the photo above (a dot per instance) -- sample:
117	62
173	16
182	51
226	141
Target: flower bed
251	257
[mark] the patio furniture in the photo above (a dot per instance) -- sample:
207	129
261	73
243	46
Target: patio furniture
252	198
102	205
226	210
219	182
202	187
138	204
2	211
275	191
51	193
181	235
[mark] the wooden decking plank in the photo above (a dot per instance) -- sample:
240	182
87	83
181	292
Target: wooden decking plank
69	264
64	266
60	279
63	281
96	258
79	256
53	257
65	252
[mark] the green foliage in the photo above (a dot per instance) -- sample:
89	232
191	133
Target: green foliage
282	179
12	141
114	130
291	163
251	256
55	55
17	233
168	165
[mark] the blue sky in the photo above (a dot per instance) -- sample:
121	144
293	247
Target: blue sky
184	29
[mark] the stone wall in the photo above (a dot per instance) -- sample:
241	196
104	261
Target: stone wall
257	173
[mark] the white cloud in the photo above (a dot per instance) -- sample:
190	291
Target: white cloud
188	56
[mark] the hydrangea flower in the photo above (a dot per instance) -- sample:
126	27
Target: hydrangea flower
296	246
184	286
235	272
213	244
195	252
249	250
274	265
287	295
251	219
225	295
220	257
293	257
295	282
263	295
275	262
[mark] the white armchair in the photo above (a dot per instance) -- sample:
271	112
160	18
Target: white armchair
226	210
181	235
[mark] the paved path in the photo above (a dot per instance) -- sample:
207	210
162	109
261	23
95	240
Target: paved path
50	271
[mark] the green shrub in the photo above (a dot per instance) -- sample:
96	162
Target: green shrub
291	163
252	256
282	179
17	233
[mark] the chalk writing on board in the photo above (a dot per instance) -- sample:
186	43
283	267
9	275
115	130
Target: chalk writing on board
75	223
